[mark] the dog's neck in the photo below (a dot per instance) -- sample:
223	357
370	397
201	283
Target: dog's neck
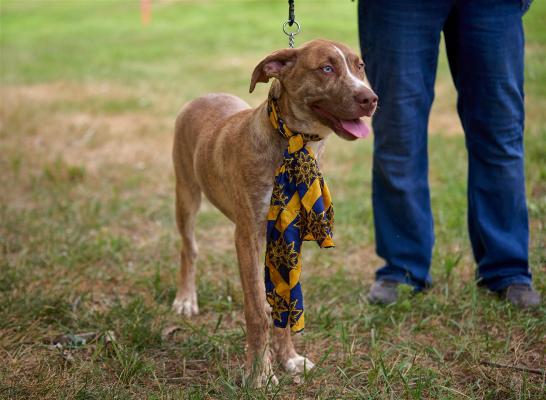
297	118
266	140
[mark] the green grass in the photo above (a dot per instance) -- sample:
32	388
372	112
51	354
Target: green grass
88	241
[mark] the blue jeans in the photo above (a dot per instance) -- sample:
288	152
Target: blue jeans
485	45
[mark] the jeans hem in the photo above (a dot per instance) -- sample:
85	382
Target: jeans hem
406	280
498	286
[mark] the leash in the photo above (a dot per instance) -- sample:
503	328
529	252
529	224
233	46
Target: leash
290	23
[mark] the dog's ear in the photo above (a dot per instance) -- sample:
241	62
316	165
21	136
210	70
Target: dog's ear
273	66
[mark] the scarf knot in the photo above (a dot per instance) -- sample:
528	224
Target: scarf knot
300	210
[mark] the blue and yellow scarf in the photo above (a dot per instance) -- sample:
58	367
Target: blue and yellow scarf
301	209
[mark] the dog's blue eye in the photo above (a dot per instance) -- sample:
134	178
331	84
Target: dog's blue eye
328	69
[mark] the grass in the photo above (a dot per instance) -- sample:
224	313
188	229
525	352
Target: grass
88	241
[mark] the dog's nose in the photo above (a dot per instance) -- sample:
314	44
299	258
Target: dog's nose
366	98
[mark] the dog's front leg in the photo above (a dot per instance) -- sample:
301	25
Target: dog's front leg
258	360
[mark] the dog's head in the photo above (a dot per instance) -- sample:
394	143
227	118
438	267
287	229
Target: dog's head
325	81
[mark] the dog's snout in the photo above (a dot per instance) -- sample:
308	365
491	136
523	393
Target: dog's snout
367	101
366	98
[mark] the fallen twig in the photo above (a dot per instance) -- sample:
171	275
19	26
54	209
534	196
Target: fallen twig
515	367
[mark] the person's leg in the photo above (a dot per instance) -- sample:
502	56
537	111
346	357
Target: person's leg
485	43
399	42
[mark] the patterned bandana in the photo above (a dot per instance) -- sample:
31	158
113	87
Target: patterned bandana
300	209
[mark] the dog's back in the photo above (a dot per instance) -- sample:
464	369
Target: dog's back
201	154
200	119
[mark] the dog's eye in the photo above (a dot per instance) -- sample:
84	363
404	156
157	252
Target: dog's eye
328	69
361	65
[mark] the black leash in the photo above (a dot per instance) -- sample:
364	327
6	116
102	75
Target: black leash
291	15
291	21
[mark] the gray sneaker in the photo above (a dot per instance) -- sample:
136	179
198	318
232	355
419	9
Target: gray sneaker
384	292
522	296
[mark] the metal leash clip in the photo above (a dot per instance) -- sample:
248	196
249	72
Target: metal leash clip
288	24
291	35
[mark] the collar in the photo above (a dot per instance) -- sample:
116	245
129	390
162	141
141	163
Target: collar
296	140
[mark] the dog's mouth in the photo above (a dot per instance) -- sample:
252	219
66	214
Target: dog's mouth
348	129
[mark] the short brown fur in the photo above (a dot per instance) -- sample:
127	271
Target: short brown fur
230	152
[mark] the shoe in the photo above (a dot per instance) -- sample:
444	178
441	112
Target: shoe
384	292
522	296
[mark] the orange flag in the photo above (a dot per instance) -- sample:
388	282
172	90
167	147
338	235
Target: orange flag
145	11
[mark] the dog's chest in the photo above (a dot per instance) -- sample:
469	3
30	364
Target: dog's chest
266	199
316	147
261	200
264	189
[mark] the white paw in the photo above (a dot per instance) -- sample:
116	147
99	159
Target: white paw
186	305
298	364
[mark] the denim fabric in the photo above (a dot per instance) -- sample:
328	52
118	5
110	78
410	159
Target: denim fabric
525	4
484	40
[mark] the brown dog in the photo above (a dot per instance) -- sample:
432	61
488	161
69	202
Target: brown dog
230	152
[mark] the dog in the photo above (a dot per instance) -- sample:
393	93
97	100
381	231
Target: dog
230	152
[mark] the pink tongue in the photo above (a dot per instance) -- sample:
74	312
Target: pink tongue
355	127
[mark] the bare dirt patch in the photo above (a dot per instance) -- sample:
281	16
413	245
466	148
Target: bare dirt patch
58	91
32	120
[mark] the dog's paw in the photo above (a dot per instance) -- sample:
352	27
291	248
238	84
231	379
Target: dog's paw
298	364
262	380
186	305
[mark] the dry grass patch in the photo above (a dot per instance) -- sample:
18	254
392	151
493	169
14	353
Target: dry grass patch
89	244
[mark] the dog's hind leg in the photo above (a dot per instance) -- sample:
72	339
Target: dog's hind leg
188	199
